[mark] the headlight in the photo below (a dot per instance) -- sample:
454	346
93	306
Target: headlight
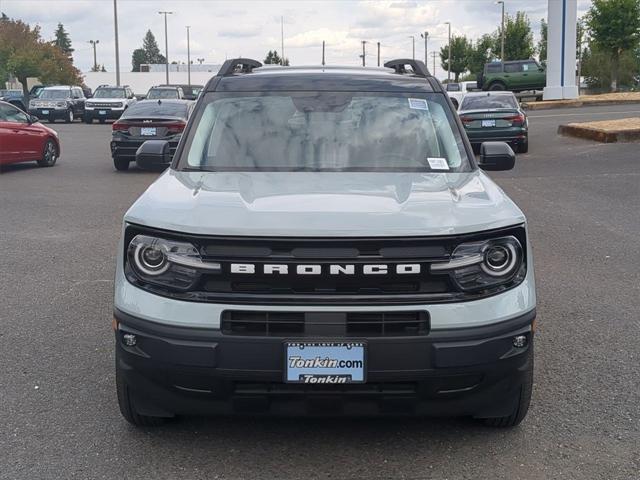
176	265
485	265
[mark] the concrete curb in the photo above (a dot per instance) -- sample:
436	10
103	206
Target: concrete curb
599	134
550	105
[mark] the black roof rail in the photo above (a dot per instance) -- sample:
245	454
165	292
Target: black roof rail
229	67
399	65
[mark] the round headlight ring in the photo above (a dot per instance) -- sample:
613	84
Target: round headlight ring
500	259
150	259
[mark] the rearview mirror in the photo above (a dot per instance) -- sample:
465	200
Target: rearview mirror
153	154
496	156
33	119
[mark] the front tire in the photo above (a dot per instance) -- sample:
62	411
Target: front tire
49	154
121	164
497	87
69	118
127	405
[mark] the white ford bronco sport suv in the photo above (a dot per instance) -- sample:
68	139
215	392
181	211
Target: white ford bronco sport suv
108	102
324	243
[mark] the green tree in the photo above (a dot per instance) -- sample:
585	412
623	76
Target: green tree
273	58
614	28
138	57
480	53
596	69
63	42
151	49
24	54
542	44
460	47
518	39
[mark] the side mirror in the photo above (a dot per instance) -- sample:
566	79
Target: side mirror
33	119
153	154
496	156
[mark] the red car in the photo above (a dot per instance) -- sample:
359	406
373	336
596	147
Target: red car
24	139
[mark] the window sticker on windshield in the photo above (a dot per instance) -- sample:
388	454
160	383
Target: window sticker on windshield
418	104
438	163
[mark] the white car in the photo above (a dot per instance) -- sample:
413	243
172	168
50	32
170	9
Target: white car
457	90
108	102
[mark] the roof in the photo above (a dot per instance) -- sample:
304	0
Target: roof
492	93
60	87
182	101
323	78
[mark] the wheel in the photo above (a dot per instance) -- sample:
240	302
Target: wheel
88	119
522	407
49	154
524	146
128	407
121	164
497	86
69	117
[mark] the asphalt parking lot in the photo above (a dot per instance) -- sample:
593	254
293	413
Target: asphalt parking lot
58	232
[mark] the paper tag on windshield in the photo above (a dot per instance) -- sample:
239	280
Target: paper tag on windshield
438	163
418	104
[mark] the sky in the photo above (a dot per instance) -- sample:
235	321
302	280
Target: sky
249	28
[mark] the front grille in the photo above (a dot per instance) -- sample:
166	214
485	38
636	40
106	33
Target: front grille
324	324
105	105
254	285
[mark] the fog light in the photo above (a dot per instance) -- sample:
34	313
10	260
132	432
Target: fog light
129	339
520	341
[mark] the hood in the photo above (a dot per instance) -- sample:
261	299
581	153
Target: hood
324	204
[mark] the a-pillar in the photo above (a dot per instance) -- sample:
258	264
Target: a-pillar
561	50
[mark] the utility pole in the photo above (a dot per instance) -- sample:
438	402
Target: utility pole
449	59
282	40
425	35
322	52
501	2
363	53
188	57
378	53
166	44
95	61
434	55
115	24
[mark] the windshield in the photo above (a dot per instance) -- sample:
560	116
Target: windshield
326	131
156	93
55	94
109	93
487	102
155	110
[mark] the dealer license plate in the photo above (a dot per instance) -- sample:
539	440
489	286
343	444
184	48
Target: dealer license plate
148	131
45	112
325	362
102	112
488	123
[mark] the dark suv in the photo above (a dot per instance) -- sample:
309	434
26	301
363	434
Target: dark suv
516	76
61	102
324	242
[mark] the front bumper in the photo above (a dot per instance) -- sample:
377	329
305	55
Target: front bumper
51	113
103	113
465	371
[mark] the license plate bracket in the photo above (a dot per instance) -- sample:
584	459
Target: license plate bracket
45	112
102	112
148	131
325	362
488	123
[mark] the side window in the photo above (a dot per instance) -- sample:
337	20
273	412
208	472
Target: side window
13	115
512	67
494	68
453	87
530	66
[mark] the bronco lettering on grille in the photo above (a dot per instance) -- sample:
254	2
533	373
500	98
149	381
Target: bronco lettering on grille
314	269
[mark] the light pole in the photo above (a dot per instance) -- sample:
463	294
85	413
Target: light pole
188	58
425	35
434	55
413	46
378	53
115	24
166	44
501	2
364	42
449	59
95	61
